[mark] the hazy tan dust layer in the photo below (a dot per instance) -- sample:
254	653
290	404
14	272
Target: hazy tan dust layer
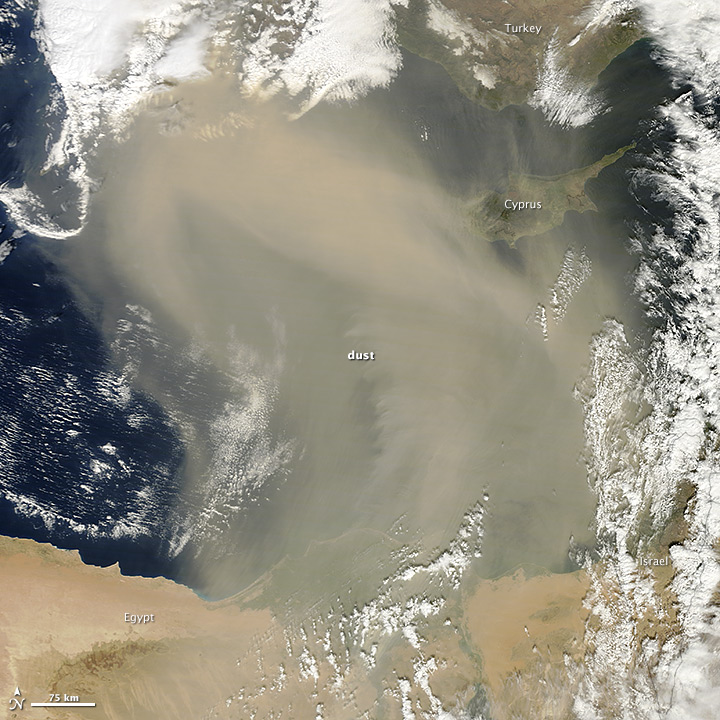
286	245
277	248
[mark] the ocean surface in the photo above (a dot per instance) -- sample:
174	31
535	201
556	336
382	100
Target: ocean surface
87	463
127	438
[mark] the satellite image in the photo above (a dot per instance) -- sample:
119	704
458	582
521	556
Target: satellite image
360	359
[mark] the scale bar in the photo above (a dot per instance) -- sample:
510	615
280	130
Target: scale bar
63	704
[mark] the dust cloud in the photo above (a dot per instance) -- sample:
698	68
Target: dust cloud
279	247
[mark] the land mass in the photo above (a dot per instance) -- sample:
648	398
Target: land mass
497	66
65	630
511	647
499	215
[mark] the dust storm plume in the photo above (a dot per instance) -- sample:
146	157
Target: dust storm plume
277	248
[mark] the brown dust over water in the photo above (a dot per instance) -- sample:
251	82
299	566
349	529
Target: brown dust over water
278	247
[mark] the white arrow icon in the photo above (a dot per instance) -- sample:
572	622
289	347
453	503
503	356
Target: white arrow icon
14	703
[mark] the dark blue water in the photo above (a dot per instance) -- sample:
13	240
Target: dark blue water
61	403
61	399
